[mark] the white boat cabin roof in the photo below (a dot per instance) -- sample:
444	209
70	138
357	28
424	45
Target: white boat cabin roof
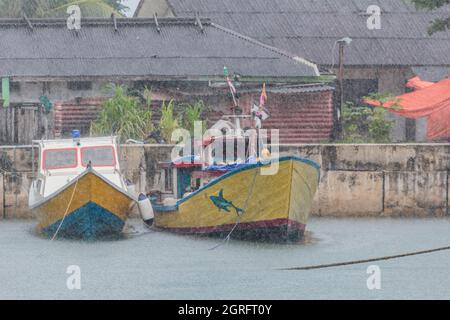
72	156
74	143
61	161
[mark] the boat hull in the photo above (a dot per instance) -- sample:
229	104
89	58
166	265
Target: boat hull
89	208
279	230
274	207
89	222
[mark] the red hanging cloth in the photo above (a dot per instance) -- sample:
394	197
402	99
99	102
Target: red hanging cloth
431	100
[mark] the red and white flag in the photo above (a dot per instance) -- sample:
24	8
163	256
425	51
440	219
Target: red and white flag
230	84
263	98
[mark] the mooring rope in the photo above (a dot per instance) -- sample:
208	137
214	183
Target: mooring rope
65	213
238	221
62	221
340	264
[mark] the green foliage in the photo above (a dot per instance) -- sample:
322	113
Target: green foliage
58	8
193	113
438	24
147	95
184	115
383	98
352	120
122	115
365	124
168	122
379	127
128	115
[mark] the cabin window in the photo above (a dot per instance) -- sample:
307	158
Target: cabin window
39	185
60	158
168	180
98	156
196	184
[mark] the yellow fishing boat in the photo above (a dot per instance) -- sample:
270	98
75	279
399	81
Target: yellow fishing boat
79	191
229	186
243	203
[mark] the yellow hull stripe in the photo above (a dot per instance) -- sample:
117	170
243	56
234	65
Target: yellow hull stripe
90	188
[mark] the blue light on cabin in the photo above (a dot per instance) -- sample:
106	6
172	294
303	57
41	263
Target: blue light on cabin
76	134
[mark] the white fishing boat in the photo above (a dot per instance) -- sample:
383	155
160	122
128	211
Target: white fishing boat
79	191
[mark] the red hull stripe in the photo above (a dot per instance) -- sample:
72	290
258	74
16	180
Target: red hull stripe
292	225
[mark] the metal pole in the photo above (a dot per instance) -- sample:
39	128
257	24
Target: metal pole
32	160
341	90
4	195
16	182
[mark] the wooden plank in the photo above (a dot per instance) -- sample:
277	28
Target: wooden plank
19	126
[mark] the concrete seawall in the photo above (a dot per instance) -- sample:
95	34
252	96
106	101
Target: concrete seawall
356	180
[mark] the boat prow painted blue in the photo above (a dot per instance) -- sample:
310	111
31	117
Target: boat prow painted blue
90	222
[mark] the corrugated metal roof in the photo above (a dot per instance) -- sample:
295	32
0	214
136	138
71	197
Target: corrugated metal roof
309	28
283	6
181	49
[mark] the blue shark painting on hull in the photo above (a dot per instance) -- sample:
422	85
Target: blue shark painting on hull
224	204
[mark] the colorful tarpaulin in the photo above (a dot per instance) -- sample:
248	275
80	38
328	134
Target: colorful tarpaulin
430	100
187	162
416	83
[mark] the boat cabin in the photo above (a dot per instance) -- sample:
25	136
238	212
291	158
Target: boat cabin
60	161
219	155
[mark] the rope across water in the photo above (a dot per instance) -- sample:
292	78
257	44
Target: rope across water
340	264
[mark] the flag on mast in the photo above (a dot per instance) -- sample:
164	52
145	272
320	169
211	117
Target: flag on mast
230	84
263	98
260	113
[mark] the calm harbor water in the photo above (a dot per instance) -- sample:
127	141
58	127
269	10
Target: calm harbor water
157	265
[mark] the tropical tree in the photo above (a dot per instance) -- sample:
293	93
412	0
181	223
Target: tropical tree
438	24
363	124
193	113
122	115
169	122
58	8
